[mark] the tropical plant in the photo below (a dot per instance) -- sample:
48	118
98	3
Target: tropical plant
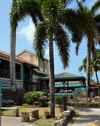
55	17
43	101
20	9
95	65
52	29
91	40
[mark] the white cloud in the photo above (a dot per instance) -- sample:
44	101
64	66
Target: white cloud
27	32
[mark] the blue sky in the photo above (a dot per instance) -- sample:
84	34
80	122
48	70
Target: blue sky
25	33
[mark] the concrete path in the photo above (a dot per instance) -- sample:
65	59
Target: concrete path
12	121
86	115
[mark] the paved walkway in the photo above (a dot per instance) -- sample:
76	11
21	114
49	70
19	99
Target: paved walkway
86	115
12	121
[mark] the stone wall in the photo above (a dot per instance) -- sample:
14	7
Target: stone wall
65	117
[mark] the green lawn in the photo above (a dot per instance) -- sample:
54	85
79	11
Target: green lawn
40	122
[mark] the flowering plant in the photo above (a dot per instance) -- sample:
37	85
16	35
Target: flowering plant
43	100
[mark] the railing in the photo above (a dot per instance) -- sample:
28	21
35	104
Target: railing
18	75
6	74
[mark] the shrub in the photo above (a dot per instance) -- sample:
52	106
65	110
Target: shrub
31	97
58	99
43	100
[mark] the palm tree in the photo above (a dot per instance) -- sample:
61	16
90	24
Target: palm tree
19	10
12	55
52	30
95	65
55	17
92	40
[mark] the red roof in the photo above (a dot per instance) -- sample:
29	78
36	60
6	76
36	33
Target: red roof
8	54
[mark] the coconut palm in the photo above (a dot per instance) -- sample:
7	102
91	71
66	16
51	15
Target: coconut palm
91	42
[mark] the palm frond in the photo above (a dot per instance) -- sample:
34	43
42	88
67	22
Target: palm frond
22	8
80	21
97	18
52	10
62	42
95	7
80	68
40	40
76	38
66	2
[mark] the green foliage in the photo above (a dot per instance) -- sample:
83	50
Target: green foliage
43	100
58	99
31	97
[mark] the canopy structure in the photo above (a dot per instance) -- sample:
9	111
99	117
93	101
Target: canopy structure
65	78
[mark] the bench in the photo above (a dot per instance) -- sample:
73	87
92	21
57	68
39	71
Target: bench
16	110
25	115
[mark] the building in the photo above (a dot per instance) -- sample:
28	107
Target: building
29	68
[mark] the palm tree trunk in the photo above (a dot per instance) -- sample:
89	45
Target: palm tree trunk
52	82
12	58
88	70
98	83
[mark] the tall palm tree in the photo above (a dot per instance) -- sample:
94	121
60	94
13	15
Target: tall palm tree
92	40
52	30
19	10
94	67
12	55
55	17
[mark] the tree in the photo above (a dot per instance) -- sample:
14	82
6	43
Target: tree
56	18
52	30
95	65
91	40
18	11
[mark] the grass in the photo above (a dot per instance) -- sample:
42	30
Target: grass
43	122
40	122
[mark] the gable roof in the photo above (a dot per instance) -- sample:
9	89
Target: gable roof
18	58
26	50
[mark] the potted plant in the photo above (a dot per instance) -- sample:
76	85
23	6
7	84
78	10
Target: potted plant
47	114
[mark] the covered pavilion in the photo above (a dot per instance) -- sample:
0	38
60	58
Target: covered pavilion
65	79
